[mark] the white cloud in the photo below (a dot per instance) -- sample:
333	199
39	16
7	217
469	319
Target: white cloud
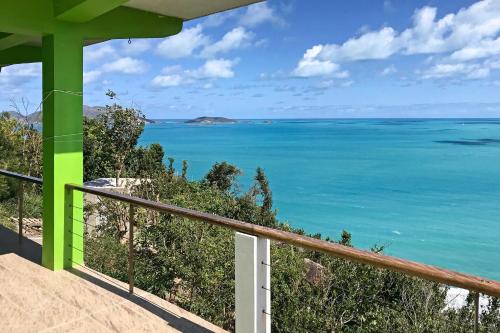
371	45
173	76
452	32
258	14
22	71
332	84
341	74
389	70
445	70
172	69
493	63
262	42
12	78
310	66
347	83
136	46
388	7
165	81
469	34
125	65
482	49
466	70
215	68
479	73
91	76
183	44
218	19
237	38
188	42
323	59
97	52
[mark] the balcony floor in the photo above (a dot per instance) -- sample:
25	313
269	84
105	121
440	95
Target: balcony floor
35	299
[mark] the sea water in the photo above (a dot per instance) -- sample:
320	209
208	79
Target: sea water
427	190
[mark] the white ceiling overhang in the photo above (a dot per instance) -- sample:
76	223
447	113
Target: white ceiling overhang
187	9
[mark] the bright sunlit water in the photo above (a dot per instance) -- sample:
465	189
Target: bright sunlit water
429	190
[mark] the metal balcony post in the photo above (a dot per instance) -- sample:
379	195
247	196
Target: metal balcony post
20	210
476	312
131	249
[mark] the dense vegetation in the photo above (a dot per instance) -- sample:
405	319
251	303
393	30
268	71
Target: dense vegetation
21	151
191	263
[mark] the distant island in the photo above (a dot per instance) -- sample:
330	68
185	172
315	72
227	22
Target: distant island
211	120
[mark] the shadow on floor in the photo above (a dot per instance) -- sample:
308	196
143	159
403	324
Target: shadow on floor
32	251
27	248
178	323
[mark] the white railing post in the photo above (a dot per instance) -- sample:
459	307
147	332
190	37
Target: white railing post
253	284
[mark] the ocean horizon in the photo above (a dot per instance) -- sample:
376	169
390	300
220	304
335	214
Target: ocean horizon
424	188
331	118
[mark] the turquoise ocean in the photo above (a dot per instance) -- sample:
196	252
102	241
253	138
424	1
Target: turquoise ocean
428	190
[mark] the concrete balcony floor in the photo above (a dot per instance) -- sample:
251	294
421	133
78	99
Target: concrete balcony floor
35	299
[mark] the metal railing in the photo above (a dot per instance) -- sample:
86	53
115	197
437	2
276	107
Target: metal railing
263	234
20	195
472	283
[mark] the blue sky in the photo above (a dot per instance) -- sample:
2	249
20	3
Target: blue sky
301	59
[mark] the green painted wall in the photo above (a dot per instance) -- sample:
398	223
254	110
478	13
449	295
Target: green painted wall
62	54
83	10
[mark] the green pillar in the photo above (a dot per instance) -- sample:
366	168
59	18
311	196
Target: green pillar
62	57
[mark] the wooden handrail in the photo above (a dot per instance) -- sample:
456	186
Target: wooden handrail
22	177
427	272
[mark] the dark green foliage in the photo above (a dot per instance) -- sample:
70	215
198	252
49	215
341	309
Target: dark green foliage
20	151
109	146
171	169
222	176
107	256
490	316
184	169
144	161
264	190
111	94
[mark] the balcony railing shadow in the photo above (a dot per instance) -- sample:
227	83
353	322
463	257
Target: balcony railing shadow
32	251
26	248
139	298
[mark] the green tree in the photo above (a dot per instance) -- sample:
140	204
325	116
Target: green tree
222	176
184	169
109	141
146	161
124	129
20	150
261	189
171	169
